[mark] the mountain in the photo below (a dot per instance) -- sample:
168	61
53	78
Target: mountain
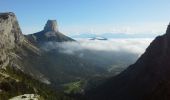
17	77
56	68
50	33
147	79
83	35
98	38
61	68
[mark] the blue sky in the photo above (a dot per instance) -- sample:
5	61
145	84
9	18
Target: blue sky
92	16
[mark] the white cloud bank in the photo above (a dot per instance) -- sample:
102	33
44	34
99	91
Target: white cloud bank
114	55
136	46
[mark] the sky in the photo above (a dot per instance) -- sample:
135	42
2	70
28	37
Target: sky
92	16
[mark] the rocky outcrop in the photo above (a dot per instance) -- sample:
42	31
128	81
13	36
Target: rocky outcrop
13	43
10	31
15	49
10	36
49	34
147	79
51	25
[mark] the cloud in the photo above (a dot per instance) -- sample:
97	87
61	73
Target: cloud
114	55
136	46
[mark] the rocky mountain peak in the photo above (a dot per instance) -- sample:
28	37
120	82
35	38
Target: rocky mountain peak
10	33
11	39
50	33
10	36
51	25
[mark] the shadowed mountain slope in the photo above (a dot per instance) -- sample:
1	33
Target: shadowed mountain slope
147	79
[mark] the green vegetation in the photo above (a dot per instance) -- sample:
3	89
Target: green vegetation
74	87
14	82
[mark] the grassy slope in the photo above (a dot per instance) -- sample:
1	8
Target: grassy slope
73	87
13	83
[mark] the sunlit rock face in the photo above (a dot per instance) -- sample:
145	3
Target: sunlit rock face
10	33
15	49
10	36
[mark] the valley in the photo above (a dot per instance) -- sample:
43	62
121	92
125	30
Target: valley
84	50
48	58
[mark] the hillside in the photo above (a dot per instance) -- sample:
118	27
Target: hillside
15	77
26	55
59	68
147	79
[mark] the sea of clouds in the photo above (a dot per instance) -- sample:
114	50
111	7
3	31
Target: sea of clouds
136	46
114	54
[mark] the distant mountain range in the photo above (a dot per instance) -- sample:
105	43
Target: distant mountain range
98	38
113	35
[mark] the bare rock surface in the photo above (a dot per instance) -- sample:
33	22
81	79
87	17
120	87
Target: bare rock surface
10	36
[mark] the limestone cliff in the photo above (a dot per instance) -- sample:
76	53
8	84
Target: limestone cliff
14	47
10	36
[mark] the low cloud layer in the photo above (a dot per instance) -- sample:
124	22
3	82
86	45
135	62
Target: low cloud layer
136	46
114	55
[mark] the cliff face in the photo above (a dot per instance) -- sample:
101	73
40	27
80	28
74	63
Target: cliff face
17	74
147	79
10	37
14	47
51	25
10	31
12	42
